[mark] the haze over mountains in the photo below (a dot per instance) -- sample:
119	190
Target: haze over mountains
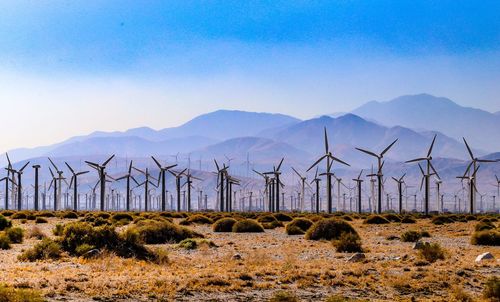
428	112
264	138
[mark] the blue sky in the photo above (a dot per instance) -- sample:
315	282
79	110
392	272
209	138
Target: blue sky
159	63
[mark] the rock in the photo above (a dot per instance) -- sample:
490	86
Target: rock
236	257
356	257
91	254
420	245
484	256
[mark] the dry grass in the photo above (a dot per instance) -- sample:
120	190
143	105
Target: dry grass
266	263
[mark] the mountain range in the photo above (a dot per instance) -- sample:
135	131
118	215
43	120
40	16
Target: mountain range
260	140
424	111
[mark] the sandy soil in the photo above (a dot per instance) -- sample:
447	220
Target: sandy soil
266	263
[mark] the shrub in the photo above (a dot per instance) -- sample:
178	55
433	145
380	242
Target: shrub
4	223
248	226
224	225
470	217
46	249
376	219
431	252
441	219
7	213
70	215
487	237
482	226
19	215
41	220
346	217
103	215
272	225
411	236
58	230
36	232
121	217
4	242
8	294
408	220
492	289
267	218
83	249
157	232
392	217
283	296
200	219
185	222
45	214
125	245
192	244
348	243
282	217
15	235
329	229
425	234
298	226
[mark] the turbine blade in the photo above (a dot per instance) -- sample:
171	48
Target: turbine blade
421	169
326	143
296	172
53	165
156	162
69	167
468	149
432	146
281	162
388	148
339	160
367	152
317	162
130	167
416	160
107	161
24	167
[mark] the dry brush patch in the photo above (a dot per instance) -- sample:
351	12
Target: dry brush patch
261	264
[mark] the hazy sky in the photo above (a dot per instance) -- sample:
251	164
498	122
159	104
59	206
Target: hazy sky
72	67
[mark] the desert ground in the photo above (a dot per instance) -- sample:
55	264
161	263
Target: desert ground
268	266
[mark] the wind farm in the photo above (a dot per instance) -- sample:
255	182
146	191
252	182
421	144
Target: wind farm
249	151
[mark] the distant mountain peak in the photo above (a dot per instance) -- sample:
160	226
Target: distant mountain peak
427	112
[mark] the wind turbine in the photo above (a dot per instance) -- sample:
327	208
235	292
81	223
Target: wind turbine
474	161
303	188
146	184
128	176
276	172
316	180
400	181
163	178
221	174
498	185
54	183
60	178
426	174
19	184
189	182
6	179
178	177
36	186
101	170
472	185
359	183
74	182
329	161
267	191
379	174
